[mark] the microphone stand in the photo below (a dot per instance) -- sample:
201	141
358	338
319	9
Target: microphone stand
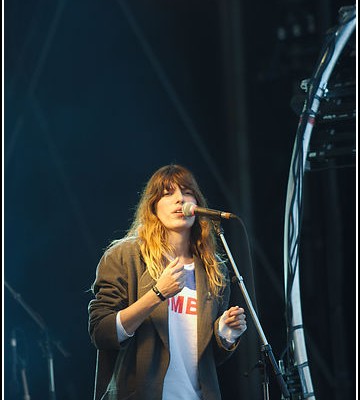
47	345
24	380
266	351
17	360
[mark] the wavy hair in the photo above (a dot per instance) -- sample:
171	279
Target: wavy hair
153	236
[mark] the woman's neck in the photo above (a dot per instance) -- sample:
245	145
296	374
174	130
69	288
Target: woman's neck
181	246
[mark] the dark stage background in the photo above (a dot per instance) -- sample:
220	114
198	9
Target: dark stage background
99	94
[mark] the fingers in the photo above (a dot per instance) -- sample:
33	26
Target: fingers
175	266
180	279
236	318
175	269
172	280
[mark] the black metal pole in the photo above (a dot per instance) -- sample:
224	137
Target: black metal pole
24	379
266	348
47	342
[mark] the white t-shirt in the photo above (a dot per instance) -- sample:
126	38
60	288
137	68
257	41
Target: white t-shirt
181	379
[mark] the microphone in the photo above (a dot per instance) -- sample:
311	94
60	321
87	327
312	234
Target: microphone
191	209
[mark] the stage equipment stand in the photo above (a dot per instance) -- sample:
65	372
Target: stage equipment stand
46	345
24	379
267	355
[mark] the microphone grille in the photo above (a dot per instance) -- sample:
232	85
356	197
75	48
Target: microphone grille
188	209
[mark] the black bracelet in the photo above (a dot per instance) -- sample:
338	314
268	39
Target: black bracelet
158	293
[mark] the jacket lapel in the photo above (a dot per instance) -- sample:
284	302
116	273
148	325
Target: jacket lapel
159	316
206	308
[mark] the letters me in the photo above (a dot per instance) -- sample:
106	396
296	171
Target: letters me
177	305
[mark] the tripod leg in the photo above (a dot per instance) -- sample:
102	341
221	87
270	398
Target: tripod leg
25	385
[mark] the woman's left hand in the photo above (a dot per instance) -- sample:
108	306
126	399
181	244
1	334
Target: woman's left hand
232	323
235	318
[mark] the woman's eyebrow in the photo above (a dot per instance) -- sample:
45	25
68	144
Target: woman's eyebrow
168	188
182	187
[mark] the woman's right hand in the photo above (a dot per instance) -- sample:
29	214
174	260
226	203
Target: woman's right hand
172	280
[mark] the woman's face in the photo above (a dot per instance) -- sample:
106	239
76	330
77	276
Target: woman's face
169	208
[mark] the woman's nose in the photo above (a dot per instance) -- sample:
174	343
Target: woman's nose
179	196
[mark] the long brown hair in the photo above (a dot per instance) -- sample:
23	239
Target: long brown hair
153	235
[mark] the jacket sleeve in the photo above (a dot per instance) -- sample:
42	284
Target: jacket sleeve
221	351
111	295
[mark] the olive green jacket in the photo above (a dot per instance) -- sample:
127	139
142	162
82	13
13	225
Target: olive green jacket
135	369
